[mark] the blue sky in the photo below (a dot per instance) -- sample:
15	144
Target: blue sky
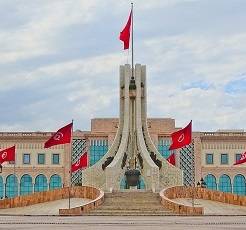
59	59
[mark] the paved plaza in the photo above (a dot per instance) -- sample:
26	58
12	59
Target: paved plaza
214	208
122	223
47	208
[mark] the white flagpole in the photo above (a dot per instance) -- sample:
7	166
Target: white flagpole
70	169
132	43
15	176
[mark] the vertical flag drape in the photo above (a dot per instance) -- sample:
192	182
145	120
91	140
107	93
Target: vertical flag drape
125	33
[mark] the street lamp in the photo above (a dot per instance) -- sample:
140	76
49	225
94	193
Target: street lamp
201	184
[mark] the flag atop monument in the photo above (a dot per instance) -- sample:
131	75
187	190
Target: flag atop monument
182	137
7	154
125	33
81	163
62	136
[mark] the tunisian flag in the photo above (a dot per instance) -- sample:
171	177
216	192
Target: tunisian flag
7	154
125	33
242	159
62	136
81	163
171	159
181	138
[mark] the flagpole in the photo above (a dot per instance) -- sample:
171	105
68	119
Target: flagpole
70	170
15	175
132	43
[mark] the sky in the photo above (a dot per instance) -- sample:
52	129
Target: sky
59	60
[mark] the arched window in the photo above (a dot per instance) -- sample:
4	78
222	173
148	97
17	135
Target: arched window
26	185
1	188
141	184
40	183
239	186
55	182
225	183
11	186
211	182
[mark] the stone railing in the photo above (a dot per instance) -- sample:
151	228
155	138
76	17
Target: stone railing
178	192
197	193
96	195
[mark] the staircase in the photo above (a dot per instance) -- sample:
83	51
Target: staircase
139	203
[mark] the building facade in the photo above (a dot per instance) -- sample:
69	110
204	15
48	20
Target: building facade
211	156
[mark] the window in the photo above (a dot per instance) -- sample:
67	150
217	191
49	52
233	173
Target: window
55	159
26	158
210	180
163	147
225	183
98	149
237	156
41	158
239	185
224	159
26	185
209	158
55	182
40	183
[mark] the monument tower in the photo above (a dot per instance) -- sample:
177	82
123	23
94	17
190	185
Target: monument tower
132	152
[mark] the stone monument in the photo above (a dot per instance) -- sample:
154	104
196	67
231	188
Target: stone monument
132	153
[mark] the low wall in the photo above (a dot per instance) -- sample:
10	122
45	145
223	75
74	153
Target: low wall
178	192
198	193
87	192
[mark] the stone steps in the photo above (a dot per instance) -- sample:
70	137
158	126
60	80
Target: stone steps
131	204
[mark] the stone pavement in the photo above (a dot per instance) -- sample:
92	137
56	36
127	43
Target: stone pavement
47	208
215	208
123	223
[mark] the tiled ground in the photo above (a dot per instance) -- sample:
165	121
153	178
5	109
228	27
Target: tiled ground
48	208
215	208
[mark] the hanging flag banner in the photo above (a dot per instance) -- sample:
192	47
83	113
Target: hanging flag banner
182	137
7	154
242	159
125	33
62	136
81	163
171	159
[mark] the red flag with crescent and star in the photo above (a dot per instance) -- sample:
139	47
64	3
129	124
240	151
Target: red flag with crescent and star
242	159
7	154
125	33
171	159
81	163
62	136
182	137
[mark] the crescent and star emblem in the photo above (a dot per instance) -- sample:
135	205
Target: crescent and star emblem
4	155
77	164
58	136
181	137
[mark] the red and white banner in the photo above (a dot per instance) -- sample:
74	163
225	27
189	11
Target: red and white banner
62	136
242	159
171	159
7	154
182	137
81	163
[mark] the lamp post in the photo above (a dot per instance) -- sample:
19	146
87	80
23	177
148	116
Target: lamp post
200	184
